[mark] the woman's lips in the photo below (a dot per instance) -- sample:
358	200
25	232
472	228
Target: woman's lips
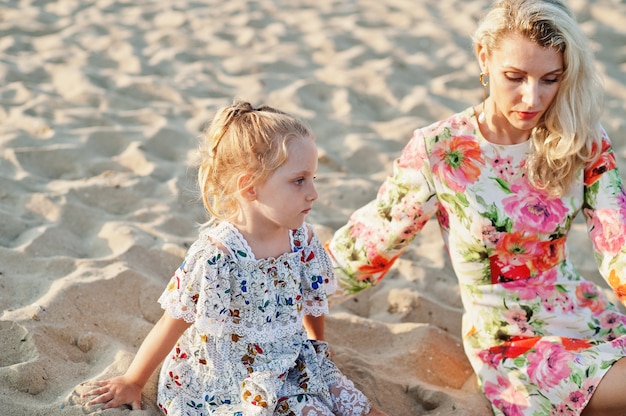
524	115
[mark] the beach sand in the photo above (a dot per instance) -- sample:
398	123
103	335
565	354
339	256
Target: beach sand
101	104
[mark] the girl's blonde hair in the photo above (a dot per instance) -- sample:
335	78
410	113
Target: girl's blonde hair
568	135
242	140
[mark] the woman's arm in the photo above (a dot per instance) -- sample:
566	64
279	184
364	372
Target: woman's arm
605	214
126	389
376	234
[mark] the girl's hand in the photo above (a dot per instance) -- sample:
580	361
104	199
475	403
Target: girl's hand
115	392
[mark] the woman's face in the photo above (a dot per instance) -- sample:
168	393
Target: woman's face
524	78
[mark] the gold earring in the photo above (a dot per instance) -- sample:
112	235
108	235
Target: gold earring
484	80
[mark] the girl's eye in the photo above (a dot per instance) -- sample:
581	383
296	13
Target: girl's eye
299	181
551	80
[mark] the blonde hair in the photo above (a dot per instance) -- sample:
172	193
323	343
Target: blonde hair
568	136
242	140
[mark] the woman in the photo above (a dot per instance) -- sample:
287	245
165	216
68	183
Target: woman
505	179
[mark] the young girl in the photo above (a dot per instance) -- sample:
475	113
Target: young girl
238	310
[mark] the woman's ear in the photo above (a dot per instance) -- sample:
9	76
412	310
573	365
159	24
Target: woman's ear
246	190
481	54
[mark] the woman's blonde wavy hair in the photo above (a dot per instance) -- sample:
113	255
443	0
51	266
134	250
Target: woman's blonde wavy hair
242	140
568	136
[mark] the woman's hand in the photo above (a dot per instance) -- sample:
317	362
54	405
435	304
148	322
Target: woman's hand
115	392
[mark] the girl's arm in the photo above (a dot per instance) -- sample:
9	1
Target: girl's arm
314	326
126	389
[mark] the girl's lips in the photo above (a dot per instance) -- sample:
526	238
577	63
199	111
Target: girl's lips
527	115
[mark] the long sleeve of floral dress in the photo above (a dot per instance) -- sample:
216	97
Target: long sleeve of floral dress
538	335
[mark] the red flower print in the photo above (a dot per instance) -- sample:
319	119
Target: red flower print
457	162
589	297
604	163
574	344
549	254
514	347
512	257
378	265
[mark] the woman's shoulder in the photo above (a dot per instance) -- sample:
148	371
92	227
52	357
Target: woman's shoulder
459	124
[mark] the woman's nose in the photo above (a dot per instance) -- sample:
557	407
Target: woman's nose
530	94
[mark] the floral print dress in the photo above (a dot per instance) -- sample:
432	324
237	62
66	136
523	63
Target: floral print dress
247	352
538	335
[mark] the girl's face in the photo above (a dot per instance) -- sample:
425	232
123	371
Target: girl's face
285	199
524	78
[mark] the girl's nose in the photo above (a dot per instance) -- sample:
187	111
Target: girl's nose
312	195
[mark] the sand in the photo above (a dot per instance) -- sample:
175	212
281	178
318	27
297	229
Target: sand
101	104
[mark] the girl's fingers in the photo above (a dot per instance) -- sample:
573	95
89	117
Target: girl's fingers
102	398
95	392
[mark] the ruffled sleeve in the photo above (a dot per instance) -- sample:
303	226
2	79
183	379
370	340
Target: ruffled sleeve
317	276
199	289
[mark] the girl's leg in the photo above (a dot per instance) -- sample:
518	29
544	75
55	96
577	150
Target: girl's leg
610	395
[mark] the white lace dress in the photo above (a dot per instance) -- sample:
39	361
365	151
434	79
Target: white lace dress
247	352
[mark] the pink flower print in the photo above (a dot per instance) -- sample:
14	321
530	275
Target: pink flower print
607	233
564	301
589	297
492	359
610	319
506	397
414	153
540	286
621	201
484	230
534	208
515	315
548	364
561	409
457	162
589	386
459	123
548	306
503	167
576	400
408	211
360	230
620	342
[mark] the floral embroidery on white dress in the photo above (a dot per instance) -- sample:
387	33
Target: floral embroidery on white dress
247	352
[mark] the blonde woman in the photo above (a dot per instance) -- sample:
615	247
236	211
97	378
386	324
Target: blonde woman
505	179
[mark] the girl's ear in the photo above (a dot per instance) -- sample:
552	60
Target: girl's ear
246	191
